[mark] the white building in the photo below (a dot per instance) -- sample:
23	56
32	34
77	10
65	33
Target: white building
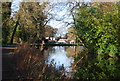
62	40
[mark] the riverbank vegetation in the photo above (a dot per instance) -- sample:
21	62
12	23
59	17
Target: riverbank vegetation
96	27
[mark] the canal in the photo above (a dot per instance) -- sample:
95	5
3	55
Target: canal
62	56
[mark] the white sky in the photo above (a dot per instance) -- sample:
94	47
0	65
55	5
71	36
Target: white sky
15	6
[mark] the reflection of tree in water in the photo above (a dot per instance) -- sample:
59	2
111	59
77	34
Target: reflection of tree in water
97	67
73	50
29	63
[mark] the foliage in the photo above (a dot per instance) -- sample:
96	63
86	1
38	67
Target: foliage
97	68
98	28
70	34
50	31
31	20
28	24
6	11
5	21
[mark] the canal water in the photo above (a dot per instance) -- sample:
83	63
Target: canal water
31	63
58	57
62	56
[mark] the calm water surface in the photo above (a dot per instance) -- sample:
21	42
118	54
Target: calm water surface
62	56
36	64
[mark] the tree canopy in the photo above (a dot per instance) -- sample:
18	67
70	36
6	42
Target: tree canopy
98	27
28	24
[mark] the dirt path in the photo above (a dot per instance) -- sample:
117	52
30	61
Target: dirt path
7	62
8	49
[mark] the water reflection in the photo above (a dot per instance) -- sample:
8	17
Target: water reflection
31	63
58	57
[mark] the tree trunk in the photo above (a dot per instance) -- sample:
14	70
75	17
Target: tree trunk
14	31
